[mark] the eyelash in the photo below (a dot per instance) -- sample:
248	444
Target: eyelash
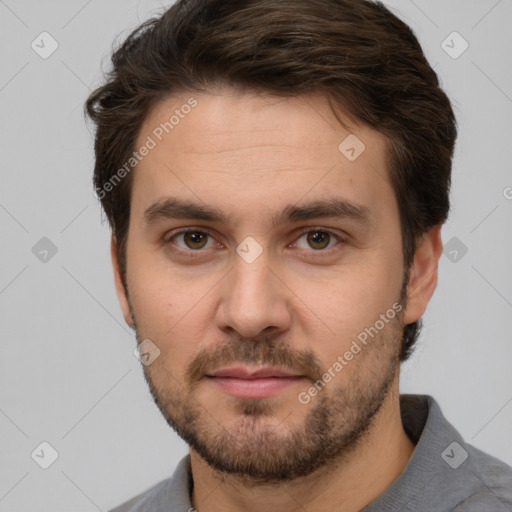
315	253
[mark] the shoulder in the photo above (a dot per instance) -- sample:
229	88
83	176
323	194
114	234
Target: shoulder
166	496
444	473
484	500
147	501
481	479
492	482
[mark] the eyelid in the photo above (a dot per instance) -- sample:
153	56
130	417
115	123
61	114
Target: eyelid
308	229
180	231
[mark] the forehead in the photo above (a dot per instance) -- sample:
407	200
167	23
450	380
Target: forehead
233	149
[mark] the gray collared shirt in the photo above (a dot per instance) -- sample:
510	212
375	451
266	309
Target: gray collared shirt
444	473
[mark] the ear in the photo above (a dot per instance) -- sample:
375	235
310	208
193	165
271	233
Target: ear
423	274
121	292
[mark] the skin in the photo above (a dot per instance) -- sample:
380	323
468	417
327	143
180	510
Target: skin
249	156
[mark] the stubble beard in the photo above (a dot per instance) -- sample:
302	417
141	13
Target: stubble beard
255	447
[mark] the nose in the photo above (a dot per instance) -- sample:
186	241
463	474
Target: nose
253	299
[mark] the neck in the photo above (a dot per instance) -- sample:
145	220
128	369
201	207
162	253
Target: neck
350	484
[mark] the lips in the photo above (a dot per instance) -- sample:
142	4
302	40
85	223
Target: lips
245	382
242	372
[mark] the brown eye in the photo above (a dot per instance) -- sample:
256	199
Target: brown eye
194	240
318	239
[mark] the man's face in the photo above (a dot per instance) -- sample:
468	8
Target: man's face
274	279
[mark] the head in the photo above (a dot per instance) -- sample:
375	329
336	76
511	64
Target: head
305	147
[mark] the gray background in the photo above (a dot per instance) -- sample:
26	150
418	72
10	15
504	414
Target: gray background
68	375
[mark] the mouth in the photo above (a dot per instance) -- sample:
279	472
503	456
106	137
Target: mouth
245	382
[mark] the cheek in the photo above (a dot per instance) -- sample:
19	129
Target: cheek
160	295
173	311
341	307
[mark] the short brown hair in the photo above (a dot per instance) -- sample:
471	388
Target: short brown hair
356	52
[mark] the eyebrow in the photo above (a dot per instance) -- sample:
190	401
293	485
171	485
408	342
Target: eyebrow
174	208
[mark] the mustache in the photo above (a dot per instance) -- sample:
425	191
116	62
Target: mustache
264	349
